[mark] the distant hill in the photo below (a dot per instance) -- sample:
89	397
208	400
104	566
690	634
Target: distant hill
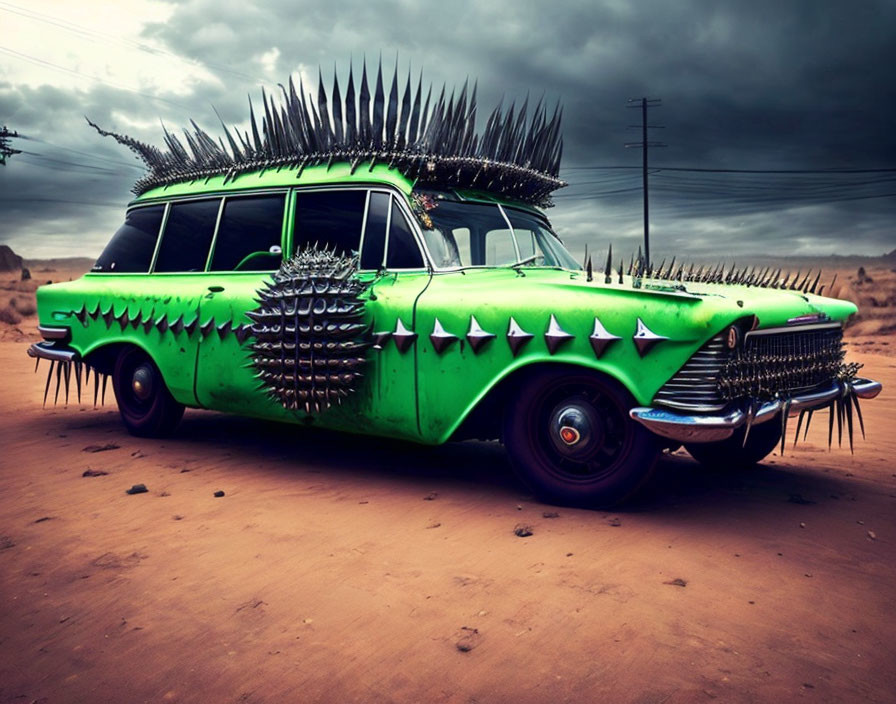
9	260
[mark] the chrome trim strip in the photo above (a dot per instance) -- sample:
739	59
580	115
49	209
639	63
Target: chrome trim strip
49	333
792	328
43	350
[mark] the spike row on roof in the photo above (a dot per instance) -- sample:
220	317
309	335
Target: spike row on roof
431	140
639	269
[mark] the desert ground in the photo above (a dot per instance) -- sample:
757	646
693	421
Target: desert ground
343	569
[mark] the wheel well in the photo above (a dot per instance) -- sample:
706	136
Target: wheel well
103	358
485	421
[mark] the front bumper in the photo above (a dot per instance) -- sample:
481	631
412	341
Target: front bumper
685	428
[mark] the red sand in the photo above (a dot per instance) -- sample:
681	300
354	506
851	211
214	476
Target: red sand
325	574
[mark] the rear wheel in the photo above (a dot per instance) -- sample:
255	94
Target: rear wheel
147	407
572	442
733	453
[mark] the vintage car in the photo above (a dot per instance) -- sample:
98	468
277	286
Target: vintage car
372	265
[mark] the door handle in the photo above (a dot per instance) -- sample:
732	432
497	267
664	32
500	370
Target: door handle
216	289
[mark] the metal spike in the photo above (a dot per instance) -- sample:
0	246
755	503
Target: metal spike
812	288
403	337
748	424
608	269
517	337
589	275
785	414
58	381
78	379
839	404
799	424
808	421
477	337
49	376
645	339
855	400
600	339
830	424
847	406
440	338
67	377
555	336
103	397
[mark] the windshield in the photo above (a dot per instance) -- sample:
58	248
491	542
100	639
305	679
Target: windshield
463	233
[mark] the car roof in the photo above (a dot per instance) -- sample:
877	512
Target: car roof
339	174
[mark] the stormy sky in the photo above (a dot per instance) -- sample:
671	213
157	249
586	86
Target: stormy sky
780	117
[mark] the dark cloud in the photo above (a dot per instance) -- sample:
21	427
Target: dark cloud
745	85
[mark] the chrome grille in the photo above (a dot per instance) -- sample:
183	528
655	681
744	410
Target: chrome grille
768	363
696	385
772	361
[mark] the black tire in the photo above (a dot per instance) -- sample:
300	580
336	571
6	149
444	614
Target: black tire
147	408
731	453
605	458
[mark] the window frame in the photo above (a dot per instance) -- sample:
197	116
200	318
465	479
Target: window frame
394	197
155	250
236	196
287	234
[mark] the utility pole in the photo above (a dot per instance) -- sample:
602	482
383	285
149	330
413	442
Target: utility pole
5	149
645	103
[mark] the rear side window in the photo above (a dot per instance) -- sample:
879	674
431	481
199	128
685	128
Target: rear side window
249	228
131	248
329	219
188	236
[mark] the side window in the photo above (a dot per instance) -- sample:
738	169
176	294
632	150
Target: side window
402	251
188	236
131	247
375	231
249	228
330	219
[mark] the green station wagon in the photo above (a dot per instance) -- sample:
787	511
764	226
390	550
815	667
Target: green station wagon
371	264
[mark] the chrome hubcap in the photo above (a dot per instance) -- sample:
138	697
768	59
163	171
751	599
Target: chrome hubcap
141	382
575	429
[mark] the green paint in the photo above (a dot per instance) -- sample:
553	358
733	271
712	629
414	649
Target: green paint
418	394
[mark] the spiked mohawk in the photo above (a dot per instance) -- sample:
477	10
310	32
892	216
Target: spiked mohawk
435	142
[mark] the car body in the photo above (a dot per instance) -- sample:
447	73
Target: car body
369	301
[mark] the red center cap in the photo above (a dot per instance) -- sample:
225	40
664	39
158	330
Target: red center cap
569	435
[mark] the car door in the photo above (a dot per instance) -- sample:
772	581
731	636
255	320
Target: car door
350	221
247	248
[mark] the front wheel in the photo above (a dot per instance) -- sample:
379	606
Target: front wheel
733	452
147	407
571	441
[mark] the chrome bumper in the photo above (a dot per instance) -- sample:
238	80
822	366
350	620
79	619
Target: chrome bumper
684	427
46	350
